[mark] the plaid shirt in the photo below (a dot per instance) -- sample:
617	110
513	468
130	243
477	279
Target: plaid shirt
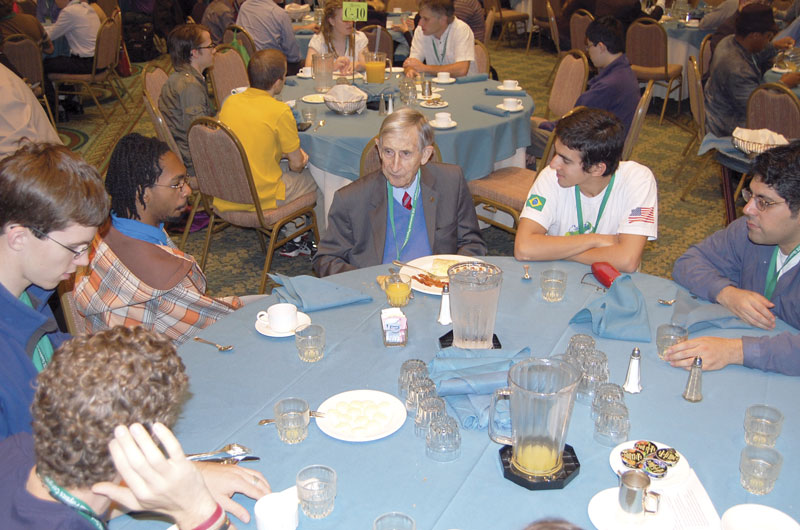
107	293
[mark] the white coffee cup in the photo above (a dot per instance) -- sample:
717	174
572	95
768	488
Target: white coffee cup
443	76
280	317
511	103
510	84
397	10
442	119
306	71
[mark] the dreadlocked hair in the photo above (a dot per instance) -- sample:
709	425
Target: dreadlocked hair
134	167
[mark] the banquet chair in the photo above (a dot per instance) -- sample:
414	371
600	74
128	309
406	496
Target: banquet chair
116	16
776	107
26	56
572	72
227	72
554	35
371	159
386	44
504	17
697	105
106	54
638	120
503	190
578	23
549	148
223	171
539	20
646	48
482	61
405	5
75	321
705	55
242	36
489	25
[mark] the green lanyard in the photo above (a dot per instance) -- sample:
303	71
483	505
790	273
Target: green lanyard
391	214
602	205
43	351
440	59
83	509
773	271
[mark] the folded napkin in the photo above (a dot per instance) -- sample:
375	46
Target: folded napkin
618	314
277	511
313	294
695	315
374	90
760	136
506	93
468	378
472	78
290	82
490	109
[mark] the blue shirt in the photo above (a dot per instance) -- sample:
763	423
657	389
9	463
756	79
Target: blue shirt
139	230
418	244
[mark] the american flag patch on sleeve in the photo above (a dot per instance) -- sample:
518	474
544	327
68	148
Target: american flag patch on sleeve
642	215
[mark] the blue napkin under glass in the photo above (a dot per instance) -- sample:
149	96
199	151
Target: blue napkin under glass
472	78
313	294
290	82
505	93
618	314
491	109
695	315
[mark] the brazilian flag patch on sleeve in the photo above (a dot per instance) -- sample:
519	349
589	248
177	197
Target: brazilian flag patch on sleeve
536	202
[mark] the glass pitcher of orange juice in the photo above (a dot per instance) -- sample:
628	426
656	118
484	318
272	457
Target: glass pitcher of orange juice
375	63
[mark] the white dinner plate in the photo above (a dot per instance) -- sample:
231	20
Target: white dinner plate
434	104
264	329
388	415
313	98
301	75
605	514
501	87
448	82
426	262
749	516
394	69
780	70
501	107
348	76
676	475
442	127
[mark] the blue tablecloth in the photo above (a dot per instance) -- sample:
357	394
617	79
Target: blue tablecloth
477	142
231	392
772	76
680	31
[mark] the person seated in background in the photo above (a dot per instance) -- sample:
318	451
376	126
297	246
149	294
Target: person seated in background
219	14
47	11
441	43
615	87
471	12
79	23
21	115
137	276
737	68
12	23
721	12
335	38
728	27
750	267
626	11
588	206
51	203
409	208
184	96
90	447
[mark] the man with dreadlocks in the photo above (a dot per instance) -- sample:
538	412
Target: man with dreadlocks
136	275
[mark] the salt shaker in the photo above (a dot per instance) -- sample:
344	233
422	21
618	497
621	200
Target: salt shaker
382	106
444	308
390	104
633	381
694	386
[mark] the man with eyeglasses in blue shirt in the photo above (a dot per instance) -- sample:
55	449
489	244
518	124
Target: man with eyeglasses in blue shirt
750	267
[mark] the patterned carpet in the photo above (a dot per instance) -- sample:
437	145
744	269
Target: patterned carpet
235	261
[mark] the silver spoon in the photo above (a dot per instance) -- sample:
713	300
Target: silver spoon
220	347
666	302
232	449
526	276
320	124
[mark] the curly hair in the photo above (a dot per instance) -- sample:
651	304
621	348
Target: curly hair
134	166
48	187
779	168
94	383
329	12
597	134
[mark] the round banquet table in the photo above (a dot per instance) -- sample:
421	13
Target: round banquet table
682	42
479	144
230	392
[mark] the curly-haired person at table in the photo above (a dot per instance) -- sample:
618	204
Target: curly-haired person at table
588	206
409	208
750	267
137	276
90	456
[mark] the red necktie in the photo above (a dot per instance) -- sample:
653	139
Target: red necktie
407	201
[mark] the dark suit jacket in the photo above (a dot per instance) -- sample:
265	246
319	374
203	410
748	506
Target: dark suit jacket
356	231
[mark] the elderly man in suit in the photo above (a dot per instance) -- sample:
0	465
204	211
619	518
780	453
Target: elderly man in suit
407	209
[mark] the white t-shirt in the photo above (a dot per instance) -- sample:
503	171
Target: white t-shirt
456	44
317	42
632	206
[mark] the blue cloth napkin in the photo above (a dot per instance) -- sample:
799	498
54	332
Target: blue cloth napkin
290	82
472	78
490	109
374	90
505	93
618	314
694	315
313	294
468	378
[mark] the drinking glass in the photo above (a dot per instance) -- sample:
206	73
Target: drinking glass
595	372
759	468
474	294
554	284
309	114
410	370
667	335
427	410
443	440
612	424
291	419
762	425
606	393
310	341
316	490
394	521
579	345
418	390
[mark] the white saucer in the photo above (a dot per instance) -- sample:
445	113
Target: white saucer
780	70
501	107
313	98
605	514
264	329
448	82
501	87
747	516
394	69
303	76
432	105
436	126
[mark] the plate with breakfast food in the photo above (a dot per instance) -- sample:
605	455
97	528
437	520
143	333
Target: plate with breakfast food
436	277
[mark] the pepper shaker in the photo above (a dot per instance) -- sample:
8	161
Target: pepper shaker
694	386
